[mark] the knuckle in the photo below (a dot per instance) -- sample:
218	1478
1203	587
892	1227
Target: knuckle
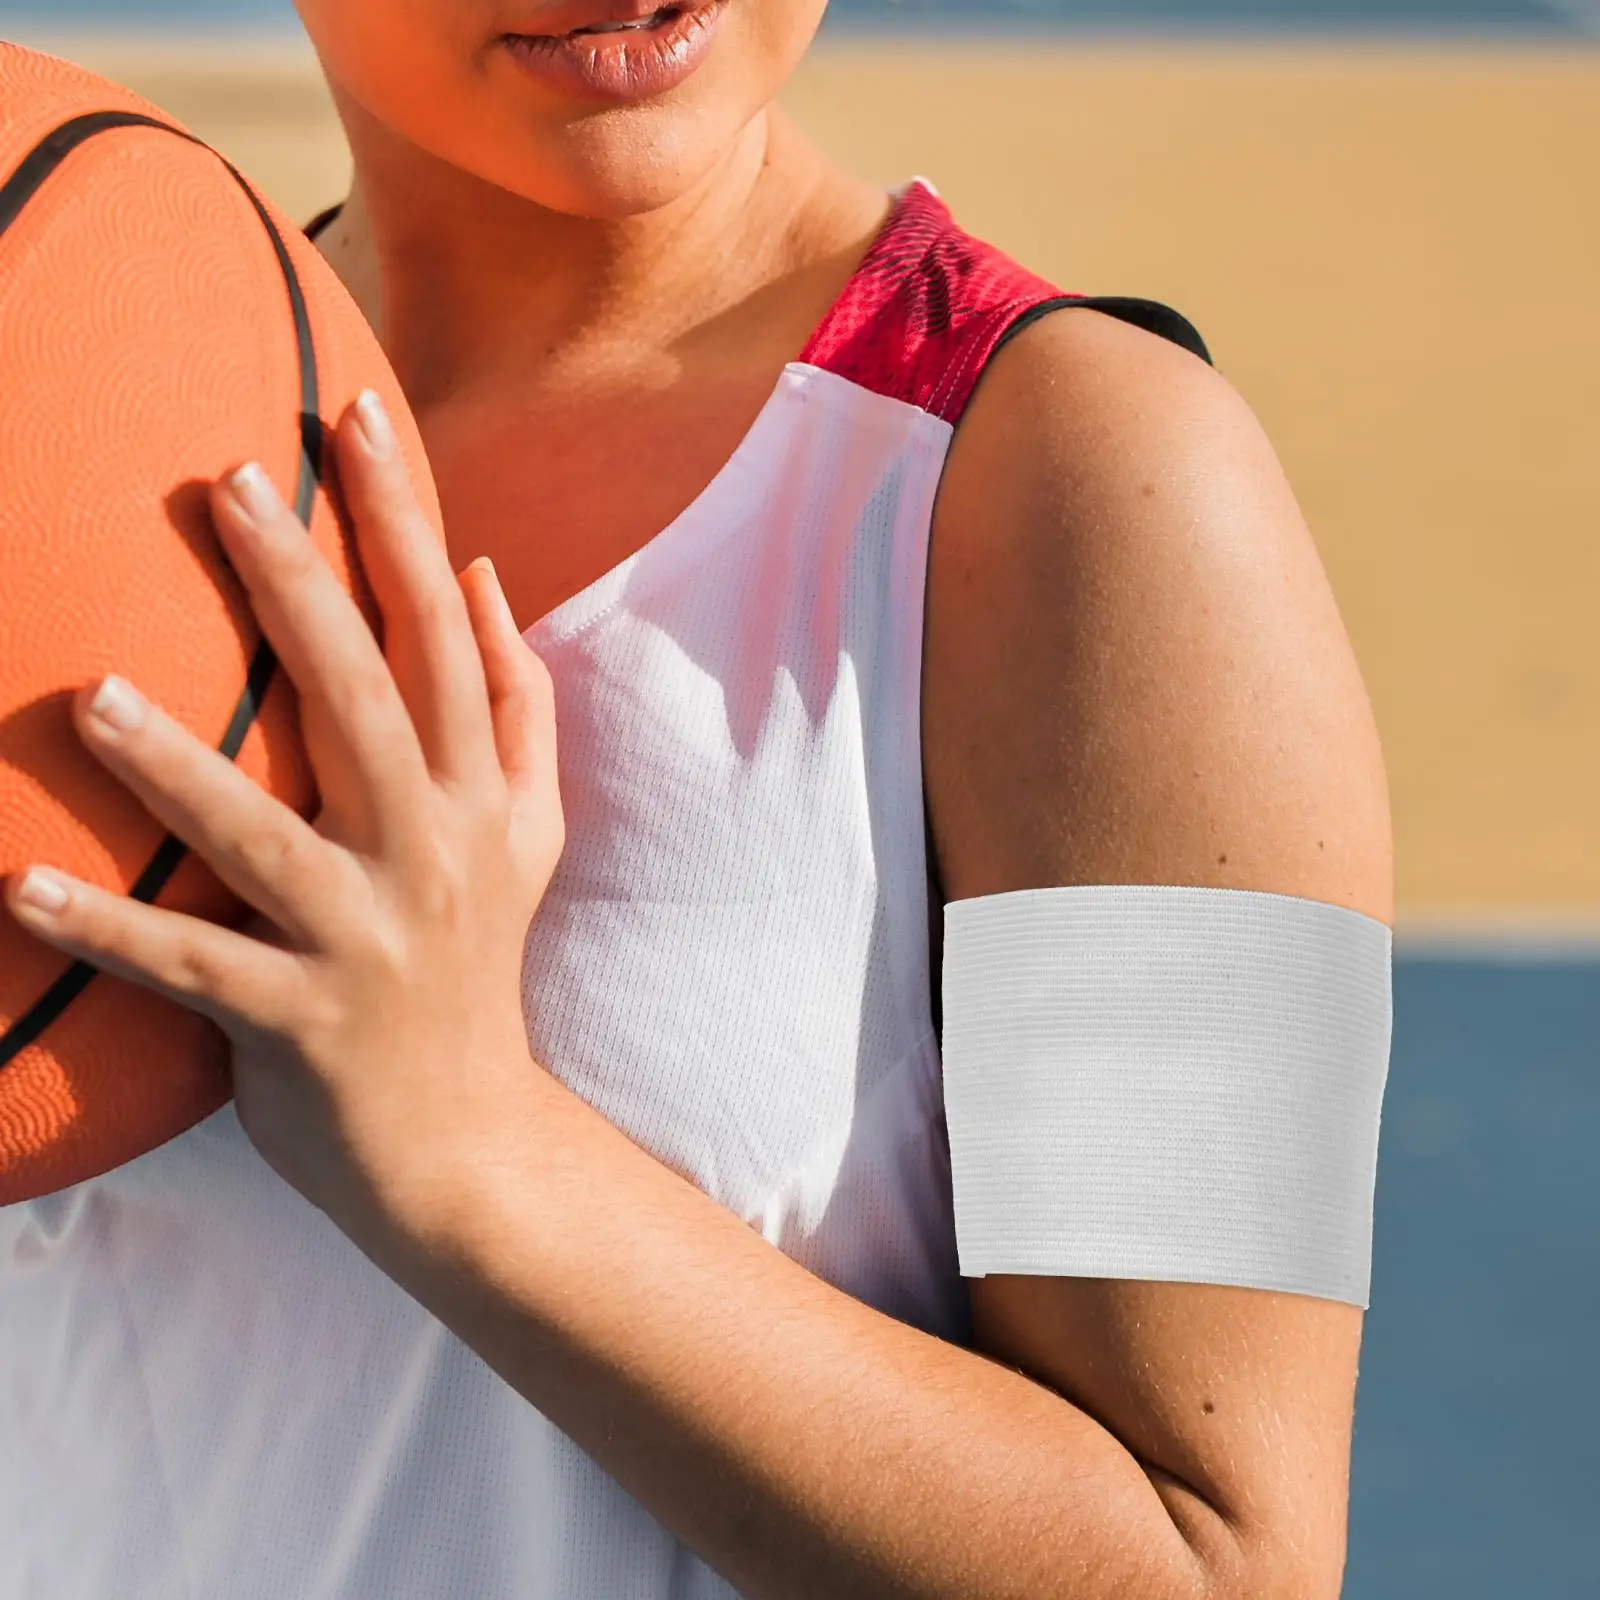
457	860
389	503
437	607
194	969
89	922
538	672
360	695
443	893
542	838
540	686
294	561
270	854
389	951
323	1014
412	526
380	940
388	483
485	807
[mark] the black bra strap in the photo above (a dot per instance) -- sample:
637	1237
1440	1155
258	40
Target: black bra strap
321	221
1150	315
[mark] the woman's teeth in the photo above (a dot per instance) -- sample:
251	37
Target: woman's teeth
654	20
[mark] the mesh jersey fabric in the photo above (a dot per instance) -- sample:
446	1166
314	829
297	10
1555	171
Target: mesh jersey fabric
207	1393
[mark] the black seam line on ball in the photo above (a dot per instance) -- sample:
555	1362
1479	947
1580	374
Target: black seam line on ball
15	194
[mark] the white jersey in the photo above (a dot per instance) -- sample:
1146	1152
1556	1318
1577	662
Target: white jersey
207	1392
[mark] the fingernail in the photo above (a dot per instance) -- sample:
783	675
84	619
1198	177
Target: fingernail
43	892
253	491
375	424
119	705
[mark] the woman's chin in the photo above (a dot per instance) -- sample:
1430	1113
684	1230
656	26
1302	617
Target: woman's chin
613	192
609	173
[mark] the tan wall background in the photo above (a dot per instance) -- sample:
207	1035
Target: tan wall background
1395	255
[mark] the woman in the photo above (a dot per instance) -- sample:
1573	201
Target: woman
624	1263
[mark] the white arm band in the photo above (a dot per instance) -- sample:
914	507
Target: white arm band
1174	1084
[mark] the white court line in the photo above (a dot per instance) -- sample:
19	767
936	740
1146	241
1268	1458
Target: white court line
1531	935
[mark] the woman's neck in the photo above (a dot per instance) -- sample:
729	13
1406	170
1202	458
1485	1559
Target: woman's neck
578	383
468	284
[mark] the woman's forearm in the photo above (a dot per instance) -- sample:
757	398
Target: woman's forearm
801	1442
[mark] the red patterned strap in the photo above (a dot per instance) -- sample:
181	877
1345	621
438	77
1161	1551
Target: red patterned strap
930	305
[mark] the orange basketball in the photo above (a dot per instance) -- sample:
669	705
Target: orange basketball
159	326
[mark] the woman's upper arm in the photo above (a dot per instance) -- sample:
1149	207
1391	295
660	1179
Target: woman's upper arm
1136	674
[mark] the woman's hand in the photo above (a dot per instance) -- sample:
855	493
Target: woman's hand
374	1004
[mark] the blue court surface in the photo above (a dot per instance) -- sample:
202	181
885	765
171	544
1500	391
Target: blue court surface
1478	1414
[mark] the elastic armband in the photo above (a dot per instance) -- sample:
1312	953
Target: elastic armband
1182	1085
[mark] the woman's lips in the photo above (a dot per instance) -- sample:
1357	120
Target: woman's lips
621	59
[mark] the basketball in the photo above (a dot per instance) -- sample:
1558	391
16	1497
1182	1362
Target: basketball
160	325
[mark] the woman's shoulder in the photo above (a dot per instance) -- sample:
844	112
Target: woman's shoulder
1118	403
1136	671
